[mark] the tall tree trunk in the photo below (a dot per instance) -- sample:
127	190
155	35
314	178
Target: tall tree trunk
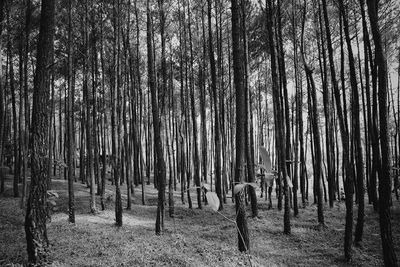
314	121
217	158
188	143
89	111
371	131
95	83
389	255
241	221
115	93
345	140
298	134
14	121
161	172
103	119
196	160
280	131
36	212
71	152
284	90
249	148
171	202
2	104
202	86
355	105
329	132
25	124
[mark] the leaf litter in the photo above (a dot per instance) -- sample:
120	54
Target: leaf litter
193	238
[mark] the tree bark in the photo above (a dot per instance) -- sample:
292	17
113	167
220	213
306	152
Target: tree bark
314	121
196	160
2	104
279	130
71	152
355	105
161	172
36	212
115	93
217	158
249	147
345	141
89	113
14	121
241	221
389	255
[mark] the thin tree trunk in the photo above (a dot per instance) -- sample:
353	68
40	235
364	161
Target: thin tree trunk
241	221
315	131
89	110
71	153
14	122
196	160
161	172
345	140
371	132
217	158
2	104
356	130
329	131
280	131
298	100
389	255
249	150
115	93
202	85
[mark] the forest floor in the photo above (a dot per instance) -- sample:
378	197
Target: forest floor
192	238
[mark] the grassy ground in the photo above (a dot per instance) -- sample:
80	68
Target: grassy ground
193	238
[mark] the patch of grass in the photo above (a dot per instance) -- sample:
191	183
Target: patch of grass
193	238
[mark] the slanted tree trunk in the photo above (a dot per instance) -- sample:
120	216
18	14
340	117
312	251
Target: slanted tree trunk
36	212
374	165
355	106
314	121
345	140
329	132
389	255
280	131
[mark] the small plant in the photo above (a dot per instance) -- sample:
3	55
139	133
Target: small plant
213	203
